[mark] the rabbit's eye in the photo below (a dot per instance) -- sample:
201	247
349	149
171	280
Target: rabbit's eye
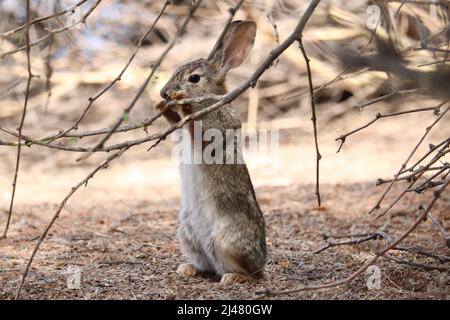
194	78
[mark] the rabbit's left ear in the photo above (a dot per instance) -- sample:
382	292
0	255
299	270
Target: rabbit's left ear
235	45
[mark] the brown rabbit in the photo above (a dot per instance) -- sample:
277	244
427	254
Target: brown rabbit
222	227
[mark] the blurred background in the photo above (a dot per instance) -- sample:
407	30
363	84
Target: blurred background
77	64
121	229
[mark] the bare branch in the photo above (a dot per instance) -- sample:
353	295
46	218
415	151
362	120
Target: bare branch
343	138
437	194
427	131
313	119
251	81
51	33
83	182
22	120
42	19
141	90
65	133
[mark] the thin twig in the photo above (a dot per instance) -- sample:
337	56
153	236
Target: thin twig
343	138
141	90
440	154
22	120
422	252
313	118
42	19
385	97
429	183
83	182
251	81
28	141
418	265
441	229
51	33
361	238
372	236
433	148
420	219
403	166
413	175
140	42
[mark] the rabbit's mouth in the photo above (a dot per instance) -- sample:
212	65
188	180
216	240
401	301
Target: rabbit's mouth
185	108
177	96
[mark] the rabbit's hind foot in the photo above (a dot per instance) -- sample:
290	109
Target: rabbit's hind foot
187	270
232	278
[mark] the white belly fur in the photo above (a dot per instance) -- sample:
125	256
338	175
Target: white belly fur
198	208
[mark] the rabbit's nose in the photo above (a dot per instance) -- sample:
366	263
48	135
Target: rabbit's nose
170	91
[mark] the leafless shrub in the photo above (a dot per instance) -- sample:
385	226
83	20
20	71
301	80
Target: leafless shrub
430	172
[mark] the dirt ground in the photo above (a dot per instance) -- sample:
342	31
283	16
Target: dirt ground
121	229
128	250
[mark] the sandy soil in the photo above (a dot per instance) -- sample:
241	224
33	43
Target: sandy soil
121	229
127	250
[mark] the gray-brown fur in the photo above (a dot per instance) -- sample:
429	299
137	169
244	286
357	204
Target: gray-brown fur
221	224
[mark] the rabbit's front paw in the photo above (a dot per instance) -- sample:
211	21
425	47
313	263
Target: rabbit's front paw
187	270
171	115
161	105
232	278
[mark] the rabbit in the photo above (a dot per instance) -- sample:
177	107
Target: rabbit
222	228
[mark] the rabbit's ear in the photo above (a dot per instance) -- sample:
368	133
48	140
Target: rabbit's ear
235	46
